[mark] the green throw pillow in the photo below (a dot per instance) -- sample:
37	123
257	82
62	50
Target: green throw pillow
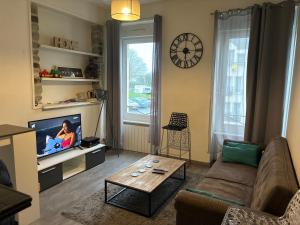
248	154
212	195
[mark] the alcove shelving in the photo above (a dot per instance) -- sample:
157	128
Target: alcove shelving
53	93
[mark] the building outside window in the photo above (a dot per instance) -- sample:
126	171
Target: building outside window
137	78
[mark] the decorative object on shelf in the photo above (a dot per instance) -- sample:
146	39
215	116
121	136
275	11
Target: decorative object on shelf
81	96
44	73
65	43
55	72
125	10
91	94
178	135
67	72
186	50
38	89
91	70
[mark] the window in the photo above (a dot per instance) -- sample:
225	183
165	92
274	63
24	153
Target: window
137	78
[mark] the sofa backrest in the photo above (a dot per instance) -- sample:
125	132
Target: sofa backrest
276	182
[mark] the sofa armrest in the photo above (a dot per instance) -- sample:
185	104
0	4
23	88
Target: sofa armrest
195	209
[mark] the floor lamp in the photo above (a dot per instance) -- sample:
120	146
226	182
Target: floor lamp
101	96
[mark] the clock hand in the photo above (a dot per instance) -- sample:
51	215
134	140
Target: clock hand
195	50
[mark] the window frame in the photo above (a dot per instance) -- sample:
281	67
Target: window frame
125	41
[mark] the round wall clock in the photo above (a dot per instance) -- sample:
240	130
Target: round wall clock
186	50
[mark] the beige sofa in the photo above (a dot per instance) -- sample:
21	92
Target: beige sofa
267	188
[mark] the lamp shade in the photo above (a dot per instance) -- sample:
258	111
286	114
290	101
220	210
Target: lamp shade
125	10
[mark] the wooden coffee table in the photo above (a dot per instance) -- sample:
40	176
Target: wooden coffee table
147	183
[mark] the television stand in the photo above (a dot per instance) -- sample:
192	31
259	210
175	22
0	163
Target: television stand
54	169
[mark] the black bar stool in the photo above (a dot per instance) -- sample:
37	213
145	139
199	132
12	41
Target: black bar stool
178	135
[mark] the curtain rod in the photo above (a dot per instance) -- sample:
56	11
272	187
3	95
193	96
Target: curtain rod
141	21
297	2
237	9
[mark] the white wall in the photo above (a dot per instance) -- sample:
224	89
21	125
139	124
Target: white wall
15	66
188	90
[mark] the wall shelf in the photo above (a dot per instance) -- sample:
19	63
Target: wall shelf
66	105
48	47
83	80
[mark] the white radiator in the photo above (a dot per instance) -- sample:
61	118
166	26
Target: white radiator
136	138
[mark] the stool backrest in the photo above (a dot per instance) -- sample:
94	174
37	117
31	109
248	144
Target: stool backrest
179	120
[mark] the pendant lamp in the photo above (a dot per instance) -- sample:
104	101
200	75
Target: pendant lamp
125	10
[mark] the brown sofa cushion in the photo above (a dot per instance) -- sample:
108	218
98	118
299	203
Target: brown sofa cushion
276	182
228	190
195	209
238	173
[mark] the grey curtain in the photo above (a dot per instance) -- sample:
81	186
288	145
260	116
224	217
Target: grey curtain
113	110
271	31
155	114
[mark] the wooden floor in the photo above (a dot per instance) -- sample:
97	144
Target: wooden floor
54	200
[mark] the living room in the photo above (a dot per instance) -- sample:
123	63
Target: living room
68	60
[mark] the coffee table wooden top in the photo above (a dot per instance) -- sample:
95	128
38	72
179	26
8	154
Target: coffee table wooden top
147	181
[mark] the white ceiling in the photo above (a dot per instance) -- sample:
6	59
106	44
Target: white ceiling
107	2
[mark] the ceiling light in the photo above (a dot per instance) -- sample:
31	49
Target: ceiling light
125	10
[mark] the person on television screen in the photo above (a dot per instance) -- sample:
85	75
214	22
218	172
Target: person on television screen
66	134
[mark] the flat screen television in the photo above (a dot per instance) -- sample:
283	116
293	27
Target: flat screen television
57	134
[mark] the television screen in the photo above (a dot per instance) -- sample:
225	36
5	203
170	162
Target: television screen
57	134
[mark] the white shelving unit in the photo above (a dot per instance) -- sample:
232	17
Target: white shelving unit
66	105
46	24
73	167
65	156
83	80
48	47
56	168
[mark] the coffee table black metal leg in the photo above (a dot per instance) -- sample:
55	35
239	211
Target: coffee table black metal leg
184	171
150	209
105	190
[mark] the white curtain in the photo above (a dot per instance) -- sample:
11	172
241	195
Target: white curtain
228	108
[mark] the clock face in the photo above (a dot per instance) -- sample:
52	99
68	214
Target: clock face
186	50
